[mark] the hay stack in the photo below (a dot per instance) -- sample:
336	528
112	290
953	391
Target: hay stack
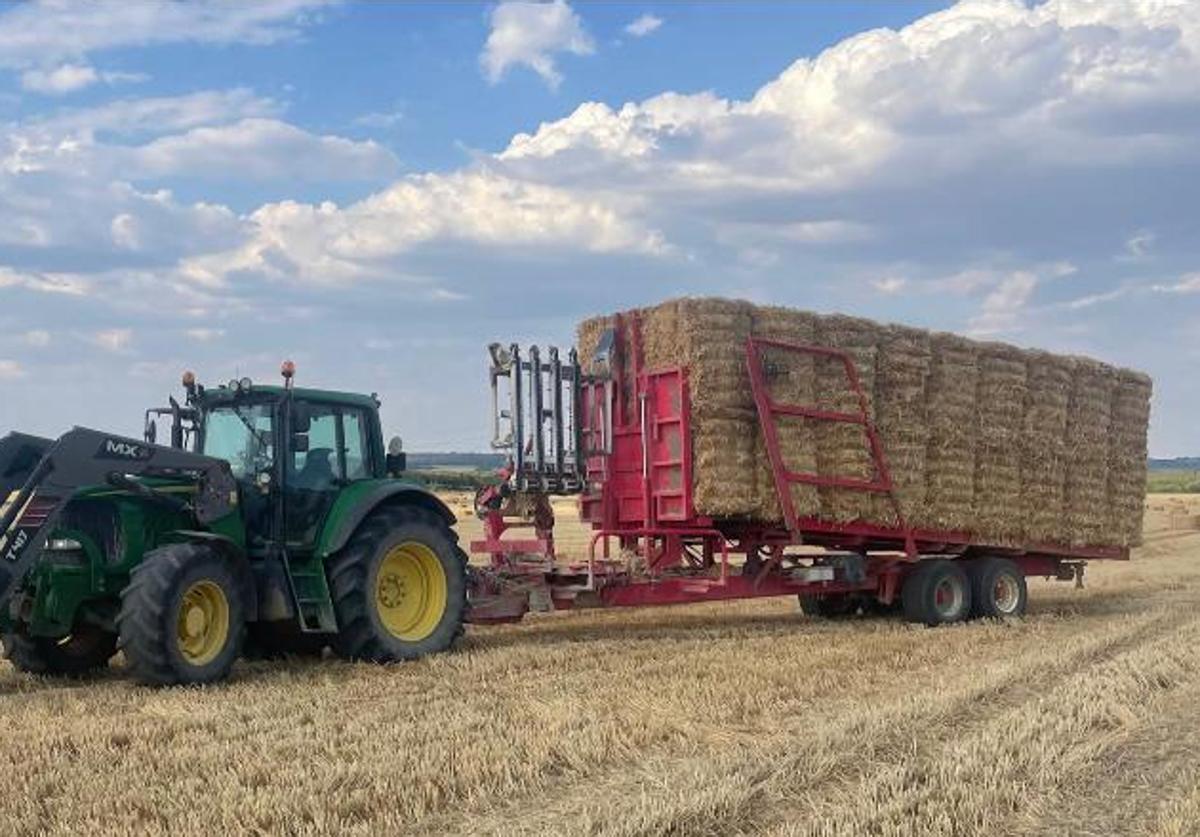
999	417
1043	446
842	449
981	438
791	379
1089	416
950	459
1127	457
902	418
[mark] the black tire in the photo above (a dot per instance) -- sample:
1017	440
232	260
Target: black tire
154	639
359	591
277	640
998	589
937	592
832	606
86	650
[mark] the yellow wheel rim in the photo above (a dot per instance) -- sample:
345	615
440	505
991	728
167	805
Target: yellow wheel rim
410	591
202	628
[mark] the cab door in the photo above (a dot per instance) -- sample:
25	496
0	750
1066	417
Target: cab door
337	453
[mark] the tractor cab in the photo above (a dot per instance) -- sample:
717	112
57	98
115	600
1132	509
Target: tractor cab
291	450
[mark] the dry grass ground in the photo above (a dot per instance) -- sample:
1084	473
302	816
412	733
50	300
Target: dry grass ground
1084	718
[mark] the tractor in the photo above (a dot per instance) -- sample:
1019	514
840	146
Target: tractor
273	522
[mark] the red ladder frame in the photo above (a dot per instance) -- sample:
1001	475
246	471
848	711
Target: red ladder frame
769	410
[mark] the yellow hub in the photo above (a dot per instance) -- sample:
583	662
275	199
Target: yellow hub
410	591
202	626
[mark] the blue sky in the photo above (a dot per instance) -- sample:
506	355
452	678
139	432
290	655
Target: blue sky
379	190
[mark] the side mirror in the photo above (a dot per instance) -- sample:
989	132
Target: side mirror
397	459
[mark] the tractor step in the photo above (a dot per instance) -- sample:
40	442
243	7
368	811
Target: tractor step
310	591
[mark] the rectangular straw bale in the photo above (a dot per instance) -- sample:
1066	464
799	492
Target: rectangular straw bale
791	379
1089	420
1043	446
1127	456
902	418
842	448
1000	416
950	459
724	419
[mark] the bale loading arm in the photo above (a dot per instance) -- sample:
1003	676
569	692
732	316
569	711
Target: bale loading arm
51	472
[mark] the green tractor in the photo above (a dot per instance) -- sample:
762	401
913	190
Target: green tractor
275	522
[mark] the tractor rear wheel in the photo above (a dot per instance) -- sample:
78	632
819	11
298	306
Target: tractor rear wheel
399	587
182	618
86	649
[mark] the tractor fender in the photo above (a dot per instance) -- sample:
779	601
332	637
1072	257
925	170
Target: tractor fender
237	559
357	502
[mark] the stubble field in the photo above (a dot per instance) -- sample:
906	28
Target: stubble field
1084	718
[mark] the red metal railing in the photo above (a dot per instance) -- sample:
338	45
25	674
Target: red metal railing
769	410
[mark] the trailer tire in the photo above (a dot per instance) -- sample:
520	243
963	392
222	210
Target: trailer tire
998	589
832	606
399	587
937	592
182	618
85	650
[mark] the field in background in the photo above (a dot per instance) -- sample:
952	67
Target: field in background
1173	482
1084	718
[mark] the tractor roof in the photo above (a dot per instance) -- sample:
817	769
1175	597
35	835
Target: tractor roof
222	394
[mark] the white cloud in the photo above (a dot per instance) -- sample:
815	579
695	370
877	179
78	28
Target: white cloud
1002	308
380	119
261	149
643	26
38	338
1139	245
1187	284
890	284
205	335
10	370
65	78
48	283
53	31
329	244
529	34
114	339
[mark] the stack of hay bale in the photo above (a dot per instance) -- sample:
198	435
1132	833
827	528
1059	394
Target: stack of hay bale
983	439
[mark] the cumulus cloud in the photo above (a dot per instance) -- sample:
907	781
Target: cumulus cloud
529	34
1003	307
326	243
643	25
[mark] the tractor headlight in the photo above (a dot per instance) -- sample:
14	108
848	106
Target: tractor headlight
63	545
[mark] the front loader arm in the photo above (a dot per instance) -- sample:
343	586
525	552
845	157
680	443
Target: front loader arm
82	458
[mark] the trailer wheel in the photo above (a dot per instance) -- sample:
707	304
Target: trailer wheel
937	592
86	649
832	606
182	617
399	587
998	588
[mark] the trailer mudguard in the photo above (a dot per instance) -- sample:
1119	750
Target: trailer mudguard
358	500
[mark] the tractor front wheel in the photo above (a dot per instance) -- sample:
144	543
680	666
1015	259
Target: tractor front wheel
399	587
83	651
182	617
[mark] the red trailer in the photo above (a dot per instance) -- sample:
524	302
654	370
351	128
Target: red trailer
618	436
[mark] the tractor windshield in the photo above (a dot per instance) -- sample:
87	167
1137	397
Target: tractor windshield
242	436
